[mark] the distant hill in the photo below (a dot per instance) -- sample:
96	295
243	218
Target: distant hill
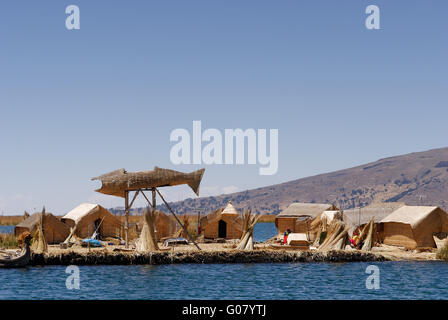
419	178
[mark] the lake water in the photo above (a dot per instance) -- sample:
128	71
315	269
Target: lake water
328	281
398	280
6	229
262	231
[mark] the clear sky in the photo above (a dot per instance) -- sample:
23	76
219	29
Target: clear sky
76	104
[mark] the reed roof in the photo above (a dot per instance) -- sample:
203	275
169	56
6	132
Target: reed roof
298	209
80	211
33	220
411	215
360	216
230	209
85	209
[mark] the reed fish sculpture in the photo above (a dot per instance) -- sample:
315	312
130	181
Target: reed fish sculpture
117	183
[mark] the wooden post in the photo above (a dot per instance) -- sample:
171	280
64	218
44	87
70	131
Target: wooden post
154	212
153	199
199	224
126	211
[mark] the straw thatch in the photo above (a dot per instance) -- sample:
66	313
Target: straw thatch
53	229
147	240
86	218
230	209
118	182
413	226
299	209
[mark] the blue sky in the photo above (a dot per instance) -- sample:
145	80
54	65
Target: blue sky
76	104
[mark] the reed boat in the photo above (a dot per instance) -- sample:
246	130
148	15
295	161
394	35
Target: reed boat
20	260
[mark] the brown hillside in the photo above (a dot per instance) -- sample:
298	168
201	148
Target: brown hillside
416	178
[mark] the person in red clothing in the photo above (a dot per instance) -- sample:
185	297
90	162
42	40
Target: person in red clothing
285	236
354	239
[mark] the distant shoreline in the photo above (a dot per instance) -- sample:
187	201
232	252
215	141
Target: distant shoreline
14	220
10	220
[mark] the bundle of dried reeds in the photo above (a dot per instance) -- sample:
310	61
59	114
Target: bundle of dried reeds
246	223
39	243
147	240
319	223
336	236
367	246
247	239
363	233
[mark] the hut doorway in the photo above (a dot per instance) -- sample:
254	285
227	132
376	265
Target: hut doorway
96	227
222	229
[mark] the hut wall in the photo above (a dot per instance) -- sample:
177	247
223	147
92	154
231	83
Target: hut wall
165	226
285	223
69	222
432	223
54	230
234	226
110	227
398	234
304	226
19	230
444	220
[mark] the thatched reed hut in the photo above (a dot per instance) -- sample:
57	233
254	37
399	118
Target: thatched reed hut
413	226
298	216
89	217
54	230
224	223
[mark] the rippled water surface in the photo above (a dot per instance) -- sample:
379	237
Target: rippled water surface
398	280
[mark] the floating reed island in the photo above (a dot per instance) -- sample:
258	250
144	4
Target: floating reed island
306	232
201	257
